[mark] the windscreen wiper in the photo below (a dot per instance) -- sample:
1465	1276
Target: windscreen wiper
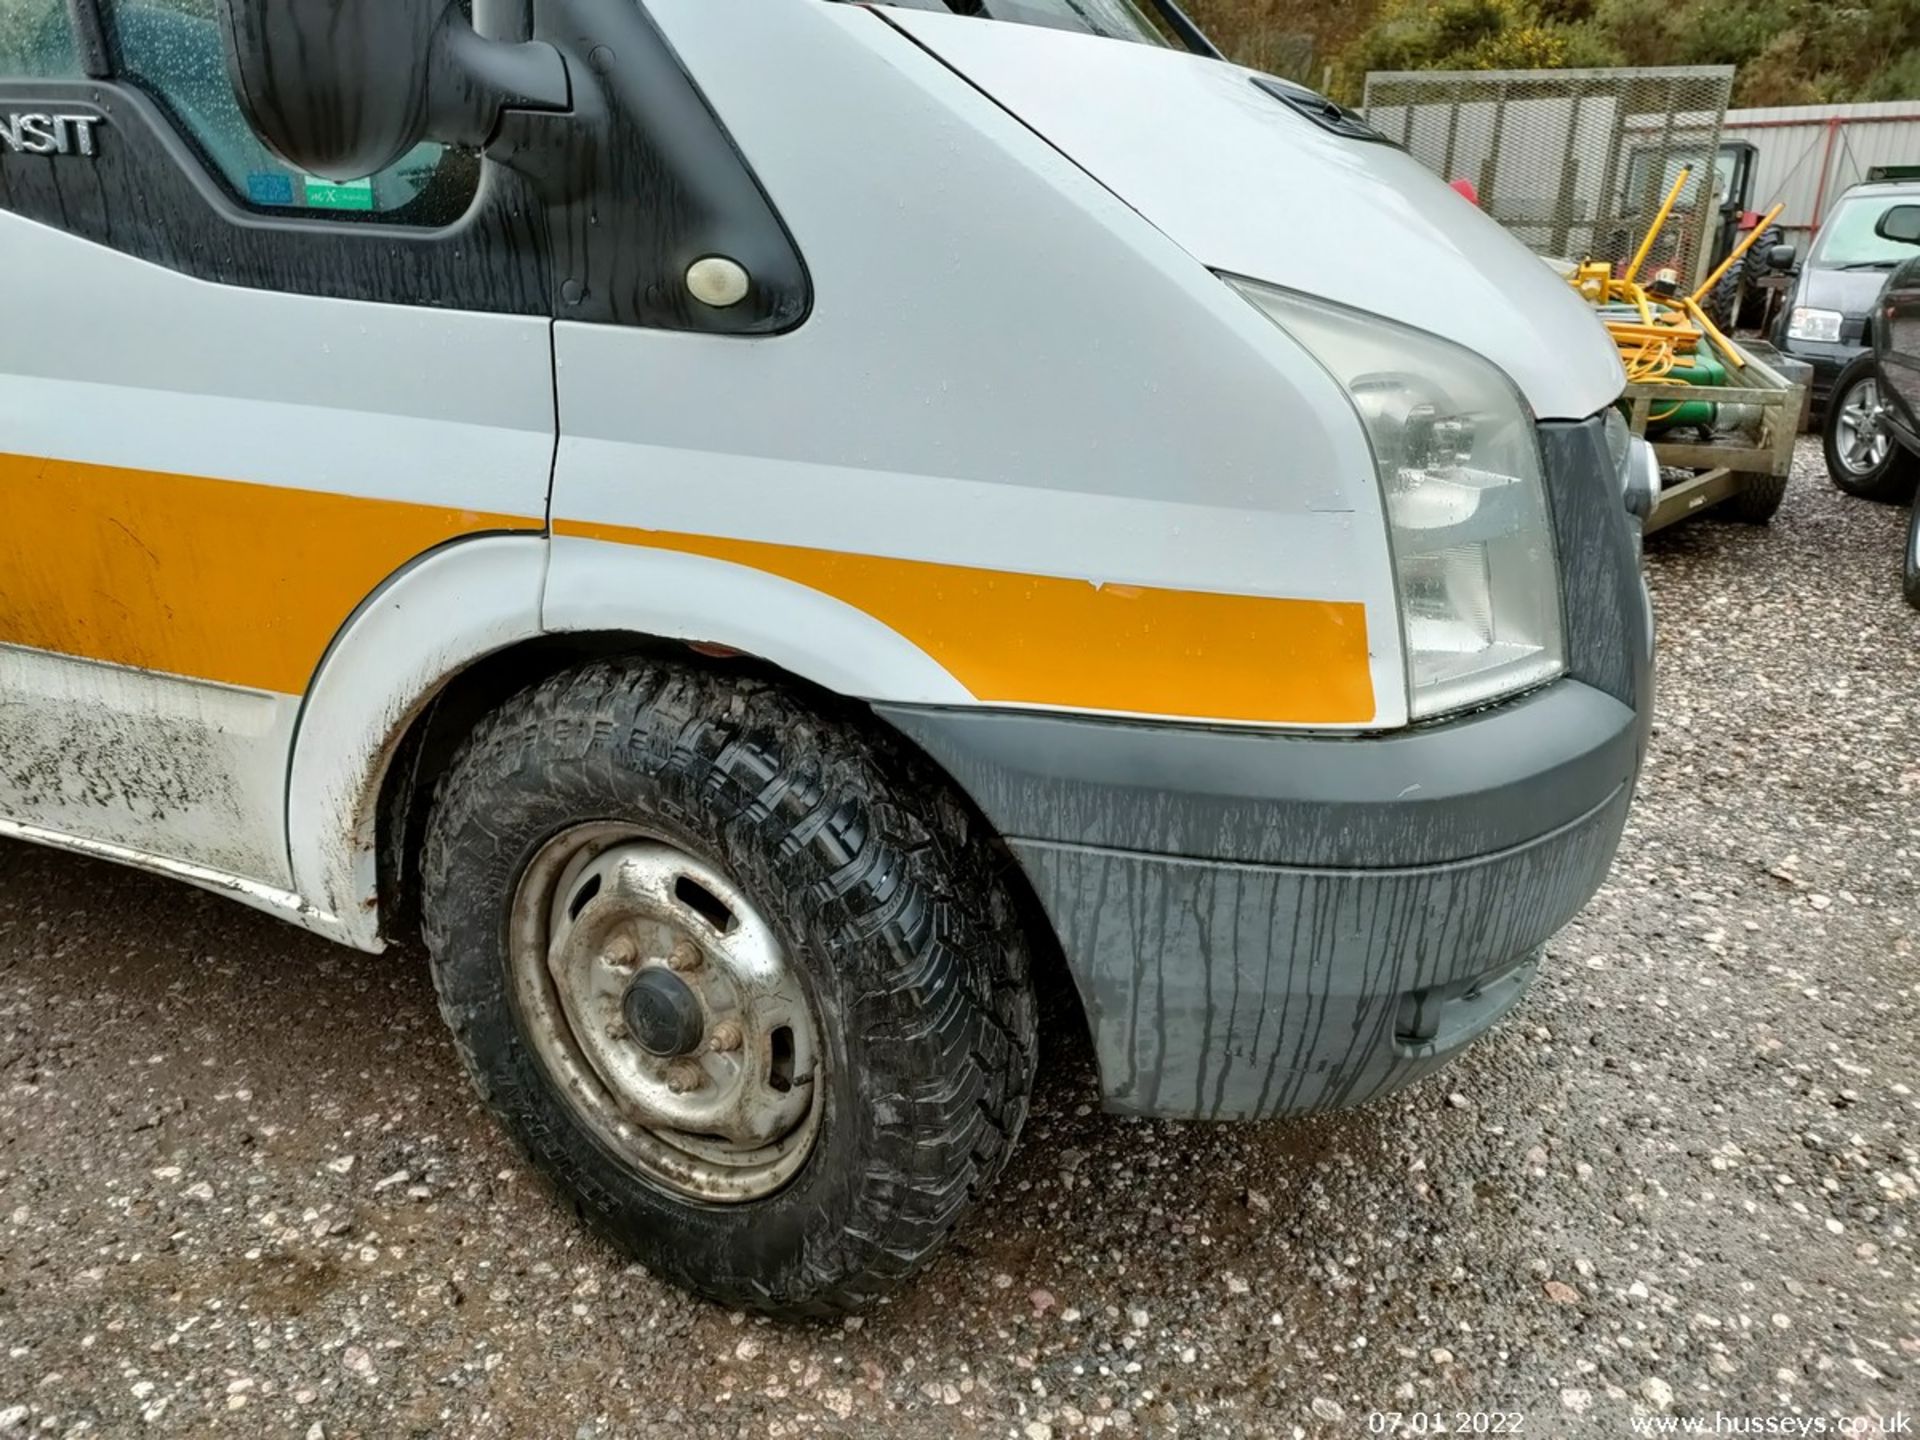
1191	35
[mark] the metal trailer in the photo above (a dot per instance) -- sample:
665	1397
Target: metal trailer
1748	469
1574	163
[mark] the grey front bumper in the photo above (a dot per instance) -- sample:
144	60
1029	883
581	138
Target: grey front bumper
1352	944
1233	992
1262	923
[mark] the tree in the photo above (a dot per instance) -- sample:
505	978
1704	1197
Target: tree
1473	35
1788	51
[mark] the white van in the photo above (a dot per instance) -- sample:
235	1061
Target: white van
758	528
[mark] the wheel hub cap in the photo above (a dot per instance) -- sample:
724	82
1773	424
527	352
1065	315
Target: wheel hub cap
664	1006
663	1014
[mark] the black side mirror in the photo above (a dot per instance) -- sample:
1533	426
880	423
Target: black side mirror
1782	257
344	88
1901	223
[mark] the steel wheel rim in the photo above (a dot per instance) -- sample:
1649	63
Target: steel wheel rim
600	907
1860	433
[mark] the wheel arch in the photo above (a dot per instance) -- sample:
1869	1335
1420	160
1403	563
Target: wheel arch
434	734
443	643
481	617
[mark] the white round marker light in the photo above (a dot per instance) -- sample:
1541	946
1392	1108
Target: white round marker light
717	281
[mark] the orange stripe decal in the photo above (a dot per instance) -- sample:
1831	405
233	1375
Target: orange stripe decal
214	579
1046	640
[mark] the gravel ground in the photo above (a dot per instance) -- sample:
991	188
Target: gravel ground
245	1191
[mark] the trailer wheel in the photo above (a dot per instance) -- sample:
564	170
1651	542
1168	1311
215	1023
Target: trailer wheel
744	979
1863	458
1758	501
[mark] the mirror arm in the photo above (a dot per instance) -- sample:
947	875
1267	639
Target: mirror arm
477	80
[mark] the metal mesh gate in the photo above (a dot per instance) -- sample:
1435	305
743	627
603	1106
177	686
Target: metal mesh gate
1574	162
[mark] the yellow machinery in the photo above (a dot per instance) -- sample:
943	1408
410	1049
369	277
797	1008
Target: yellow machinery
1684	373
1663	324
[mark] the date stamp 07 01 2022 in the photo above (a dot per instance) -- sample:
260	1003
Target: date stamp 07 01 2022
1446	1422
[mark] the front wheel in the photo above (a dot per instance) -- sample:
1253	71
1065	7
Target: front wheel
1863	458
743	978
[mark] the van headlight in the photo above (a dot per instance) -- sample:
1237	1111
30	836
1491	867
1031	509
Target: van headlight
1466	504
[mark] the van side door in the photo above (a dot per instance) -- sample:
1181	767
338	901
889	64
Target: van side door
234	401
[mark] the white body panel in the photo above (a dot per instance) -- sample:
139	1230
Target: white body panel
1246	185
1012	372
146	761
128	363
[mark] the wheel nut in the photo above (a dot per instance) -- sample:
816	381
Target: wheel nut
683	1076
684	957
726	1036
621	953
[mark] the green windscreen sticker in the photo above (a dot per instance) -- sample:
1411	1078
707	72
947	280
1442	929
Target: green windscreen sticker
339	194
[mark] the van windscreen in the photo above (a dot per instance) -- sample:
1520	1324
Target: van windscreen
1115	19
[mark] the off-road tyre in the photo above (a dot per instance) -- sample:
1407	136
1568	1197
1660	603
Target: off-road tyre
882	884
1758	501
1722	302
1752	303
1894	480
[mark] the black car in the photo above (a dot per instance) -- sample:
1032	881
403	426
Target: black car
1872	429
1827	318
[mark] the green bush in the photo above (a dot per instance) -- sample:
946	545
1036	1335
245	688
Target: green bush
1788	51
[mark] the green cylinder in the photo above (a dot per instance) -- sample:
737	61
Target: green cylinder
1699	369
